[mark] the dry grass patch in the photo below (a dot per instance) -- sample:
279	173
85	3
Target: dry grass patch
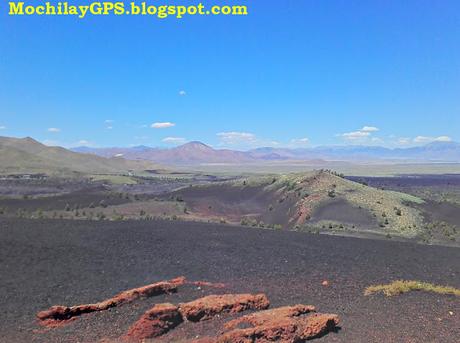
402	286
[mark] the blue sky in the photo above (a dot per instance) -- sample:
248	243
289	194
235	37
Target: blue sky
291	73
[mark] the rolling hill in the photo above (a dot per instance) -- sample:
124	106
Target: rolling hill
26	155
318	201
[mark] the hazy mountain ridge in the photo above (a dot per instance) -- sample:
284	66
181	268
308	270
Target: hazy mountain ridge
189	153
197	152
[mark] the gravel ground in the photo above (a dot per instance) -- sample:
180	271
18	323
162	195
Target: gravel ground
50	262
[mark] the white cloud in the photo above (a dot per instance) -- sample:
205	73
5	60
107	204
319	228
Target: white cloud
108	124
245	140
443	139
84	142
362	135
235	138
369	129
182	93
164	125
419	140
143	138
300	141
425	139
355	135
377	140
403	141
174	140
54	129
2	127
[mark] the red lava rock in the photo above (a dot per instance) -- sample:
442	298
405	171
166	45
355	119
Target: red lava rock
210	306
155	322
59	315
264	317
318	324
283	330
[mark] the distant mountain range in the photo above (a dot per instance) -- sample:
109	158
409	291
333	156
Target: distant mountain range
187	154
199	153
26	155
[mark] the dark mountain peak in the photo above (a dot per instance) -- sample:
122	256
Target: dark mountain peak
23	143
195	145
29	140
19	140
141	148
266	149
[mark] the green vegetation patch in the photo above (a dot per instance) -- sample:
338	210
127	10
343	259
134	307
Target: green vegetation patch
402	286
407	197
115	179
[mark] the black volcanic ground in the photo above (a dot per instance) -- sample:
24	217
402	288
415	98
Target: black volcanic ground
45	263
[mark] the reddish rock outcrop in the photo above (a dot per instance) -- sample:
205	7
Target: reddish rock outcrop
317	324
284	330
264	317
210	306
290	324
59	315
155	322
